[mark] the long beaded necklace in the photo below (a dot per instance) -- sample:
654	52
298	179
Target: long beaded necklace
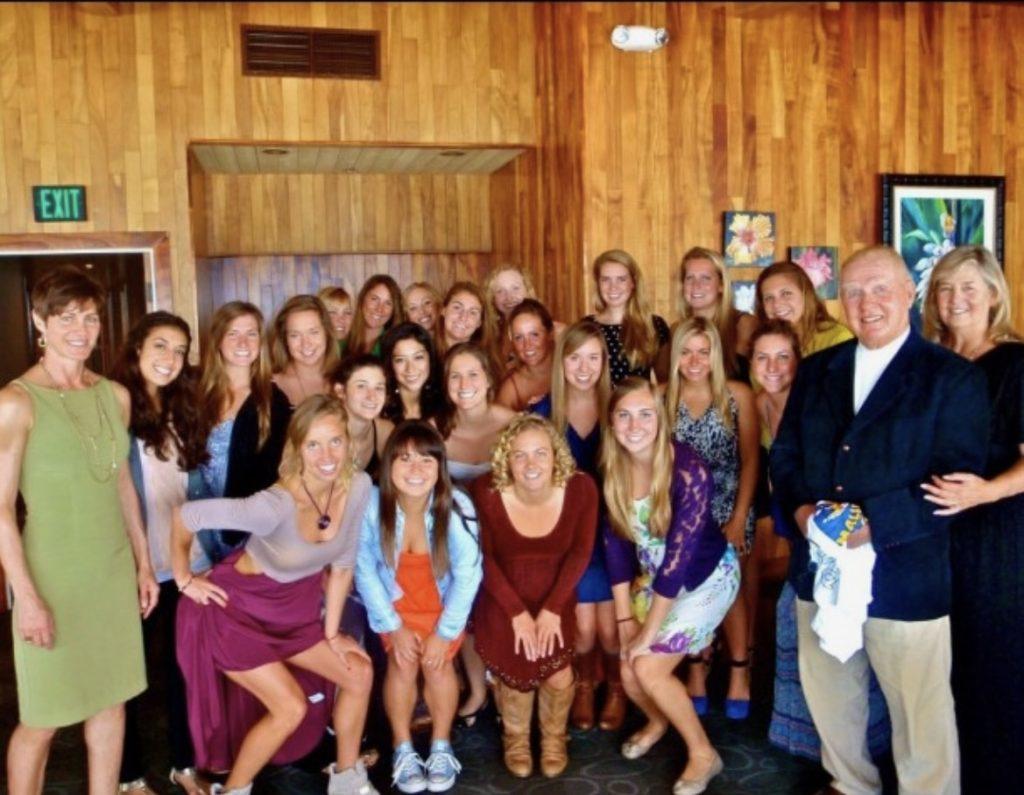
90	441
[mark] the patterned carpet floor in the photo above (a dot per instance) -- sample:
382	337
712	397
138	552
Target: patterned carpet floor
752	766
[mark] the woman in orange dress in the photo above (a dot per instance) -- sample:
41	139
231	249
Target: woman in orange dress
418	570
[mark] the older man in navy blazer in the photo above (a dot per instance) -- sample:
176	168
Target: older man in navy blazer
867	422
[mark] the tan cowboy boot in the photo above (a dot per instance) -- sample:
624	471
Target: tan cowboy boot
553	716
516	713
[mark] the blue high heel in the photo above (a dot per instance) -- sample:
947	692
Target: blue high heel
738	708
700	705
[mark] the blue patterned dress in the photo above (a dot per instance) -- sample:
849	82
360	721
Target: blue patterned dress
719	447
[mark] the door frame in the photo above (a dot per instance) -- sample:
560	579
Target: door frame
155	248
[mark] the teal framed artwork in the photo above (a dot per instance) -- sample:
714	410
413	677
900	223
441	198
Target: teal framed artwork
924	216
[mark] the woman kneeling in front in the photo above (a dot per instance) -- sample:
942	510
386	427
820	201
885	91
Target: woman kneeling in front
256	619
538	519
658	494
418	571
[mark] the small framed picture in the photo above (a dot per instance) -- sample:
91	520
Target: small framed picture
821	264
749	239
924	216
743	292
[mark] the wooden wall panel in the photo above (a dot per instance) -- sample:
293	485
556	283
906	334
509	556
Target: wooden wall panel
110	95
324	213
270	280
791	107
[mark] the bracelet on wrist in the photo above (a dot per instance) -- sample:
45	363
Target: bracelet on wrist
188	582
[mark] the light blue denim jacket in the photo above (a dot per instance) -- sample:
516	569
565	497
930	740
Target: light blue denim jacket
375	577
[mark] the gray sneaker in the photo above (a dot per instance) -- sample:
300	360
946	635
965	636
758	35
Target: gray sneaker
350	781
407	770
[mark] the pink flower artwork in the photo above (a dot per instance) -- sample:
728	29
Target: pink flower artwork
820	265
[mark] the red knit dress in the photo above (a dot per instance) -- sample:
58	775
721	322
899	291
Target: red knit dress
530	574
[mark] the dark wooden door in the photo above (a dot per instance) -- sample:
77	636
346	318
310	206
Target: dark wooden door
123	276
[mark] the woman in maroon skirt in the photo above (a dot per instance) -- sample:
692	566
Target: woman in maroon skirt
260	663
537	525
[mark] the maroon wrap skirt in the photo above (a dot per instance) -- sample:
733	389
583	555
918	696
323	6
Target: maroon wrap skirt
264	621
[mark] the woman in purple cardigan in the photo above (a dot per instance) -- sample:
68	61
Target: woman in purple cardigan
673	576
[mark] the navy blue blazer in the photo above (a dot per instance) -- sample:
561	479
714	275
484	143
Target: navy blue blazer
927	415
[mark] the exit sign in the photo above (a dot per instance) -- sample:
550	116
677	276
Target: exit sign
58	202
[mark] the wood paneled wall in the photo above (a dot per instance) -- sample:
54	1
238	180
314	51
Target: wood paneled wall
791	107
269	281
318	213
110	94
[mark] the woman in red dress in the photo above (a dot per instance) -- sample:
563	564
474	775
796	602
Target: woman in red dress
537	518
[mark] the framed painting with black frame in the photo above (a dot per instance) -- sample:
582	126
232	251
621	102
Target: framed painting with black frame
924	216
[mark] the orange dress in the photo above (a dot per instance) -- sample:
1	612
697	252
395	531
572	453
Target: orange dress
420	605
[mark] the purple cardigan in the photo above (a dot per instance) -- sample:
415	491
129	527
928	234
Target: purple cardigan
694	542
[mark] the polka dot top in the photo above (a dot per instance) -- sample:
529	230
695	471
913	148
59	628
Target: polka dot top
618	365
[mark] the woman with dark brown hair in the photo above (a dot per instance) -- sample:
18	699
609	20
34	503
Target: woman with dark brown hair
251	632
418	571
785	292
378	308
532	334
81	571
167	447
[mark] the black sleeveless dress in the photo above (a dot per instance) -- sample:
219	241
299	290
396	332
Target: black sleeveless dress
987	618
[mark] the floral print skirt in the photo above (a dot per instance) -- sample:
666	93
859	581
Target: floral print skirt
693	618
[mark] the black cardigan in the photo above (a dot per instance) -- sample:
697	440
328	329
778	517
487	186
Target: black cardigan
252	468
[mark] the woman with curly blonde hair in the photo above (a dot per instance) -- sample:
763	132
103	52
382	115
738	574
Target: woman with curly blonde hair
633	334
537	517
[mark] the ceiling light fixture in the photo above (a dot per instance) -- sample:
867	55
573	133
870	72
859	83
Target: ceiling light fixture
274	150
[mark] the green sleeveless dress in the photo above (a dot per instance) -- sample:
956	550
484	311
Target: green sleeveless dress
79	558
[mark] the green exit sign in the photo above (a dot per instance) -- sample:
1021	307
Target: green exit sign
58	202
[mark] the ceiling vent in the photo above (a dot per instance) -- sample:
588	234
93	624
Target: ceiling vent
310	52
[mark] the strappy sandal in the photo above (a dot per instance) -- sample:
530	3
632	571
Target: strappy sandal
188	779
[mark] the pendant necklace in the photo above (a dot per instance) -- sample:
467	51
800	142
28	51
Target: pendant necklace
99	469
324	520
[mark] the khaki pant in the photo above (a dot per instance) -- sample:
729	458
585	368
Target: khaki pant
911	660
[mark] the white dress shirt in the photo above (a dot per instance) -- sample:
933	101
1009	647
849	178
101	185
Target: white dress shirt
868	366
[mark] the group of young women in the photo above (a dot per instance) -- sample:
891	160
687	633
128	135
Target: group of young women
338	506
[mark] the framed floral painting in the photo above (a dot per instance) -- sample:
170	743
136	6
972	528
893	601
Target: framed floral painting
749	239
926	215
821	264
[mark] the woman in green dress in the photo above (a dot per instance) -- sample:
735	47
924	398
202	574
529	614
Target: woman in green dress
80	572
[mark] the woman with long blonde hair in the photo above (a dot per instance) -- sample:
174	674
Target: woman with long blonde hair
244	413
302	349
634	336
658	497
274	645
718	418
338	303
707	293
967	309
579	396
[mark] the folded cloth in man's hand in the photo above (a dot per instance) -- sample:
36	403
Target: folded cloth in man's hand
838	520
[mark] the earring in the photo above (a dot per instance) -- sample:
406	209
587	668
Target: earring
42	341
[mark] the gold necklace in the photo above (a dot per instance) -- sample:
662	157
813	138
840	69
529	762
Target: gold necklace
358	443
88	441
